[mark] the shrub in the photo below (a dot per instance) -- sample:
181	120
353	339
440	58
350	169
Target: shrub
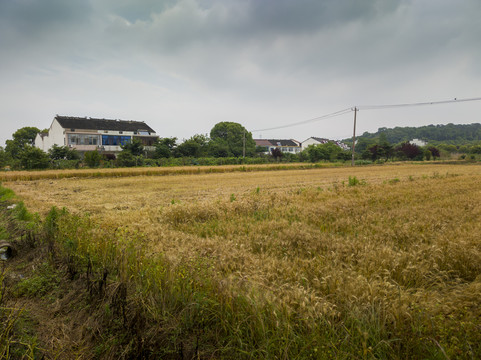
92	159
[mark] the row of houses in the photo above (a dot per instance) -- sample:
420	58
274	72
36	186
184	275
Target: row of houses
293	146
107	136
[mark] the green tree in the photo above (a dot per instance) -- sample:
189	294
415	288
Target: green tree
21	138
196	146
219	149
33	158
92	159
427	154
164	147
230	135
134	147
327	152
63	153
127	159
4	158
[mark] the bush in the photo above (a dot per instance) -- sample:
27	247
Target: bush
127	159
65	164
92	159
33	158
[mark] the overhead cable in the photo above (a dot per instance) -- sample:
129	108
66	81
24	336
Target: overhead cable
375	107
323	117
367	107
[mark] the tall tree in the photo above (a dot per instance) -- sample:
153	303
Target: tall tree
21	138
196	146
33	158
410	151
231	135
164	147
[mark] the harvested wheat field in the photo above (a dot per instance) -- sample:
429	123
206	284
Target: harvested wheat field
368	262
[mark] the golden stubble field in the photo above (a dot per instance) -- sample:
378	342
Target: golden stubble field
394	246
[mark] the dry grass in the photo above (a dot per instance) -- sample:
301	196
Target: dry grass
394	260
151	171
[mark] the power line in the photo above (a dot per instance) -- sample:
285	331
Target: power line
323	117
376	107
367	107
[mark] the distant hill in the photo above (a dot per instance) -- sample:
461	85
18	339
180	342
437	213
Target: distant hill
448	134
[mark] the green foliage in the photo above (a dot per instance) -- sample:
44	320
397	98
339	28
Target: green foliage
451	133
63	153
353	181
427	155
21	138
21	213
134	147
326	152
219	149
92	159
6	194
4	158
164	147
127	159
42	282
230	136
65	164
33	158
196	146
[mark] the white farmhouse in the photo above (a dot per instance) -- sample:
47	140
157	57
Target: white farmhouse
317	141
286	146
89	134
418	142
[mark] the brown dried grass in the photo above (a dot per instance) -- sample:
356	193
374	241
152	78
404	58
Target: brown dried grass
400	254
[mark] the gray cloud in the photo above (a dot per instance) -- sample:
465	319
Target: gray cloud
282	59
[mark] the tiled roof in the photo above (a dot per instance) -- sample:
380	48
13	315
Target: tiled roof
321	140
275	142
68	122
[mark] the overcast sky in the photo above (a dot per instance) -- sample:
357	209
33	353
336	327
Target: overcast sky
184	65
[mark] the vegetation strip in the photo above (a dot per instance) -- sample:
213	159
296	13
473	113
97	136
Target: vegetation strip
157	171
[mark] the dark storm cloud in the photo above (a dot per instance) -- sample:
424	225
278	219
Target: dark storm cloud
30	18
286	16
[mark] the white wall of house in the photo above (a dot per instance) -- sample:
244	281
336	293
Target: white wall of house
310	141
63	137
55	135
418	142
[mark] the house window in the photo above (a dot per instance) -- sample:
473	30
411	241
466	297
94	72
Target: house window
82	139
115	140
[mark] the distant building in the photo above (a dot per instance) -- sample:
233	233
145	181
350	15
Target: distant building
89	134
318	141
418	142
286	146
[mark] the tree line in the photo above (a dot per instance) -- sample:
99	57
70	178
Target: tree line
227	143
449	134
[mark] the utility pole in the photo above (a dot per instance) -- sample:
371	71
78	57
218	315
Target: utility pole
244	145
354	137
